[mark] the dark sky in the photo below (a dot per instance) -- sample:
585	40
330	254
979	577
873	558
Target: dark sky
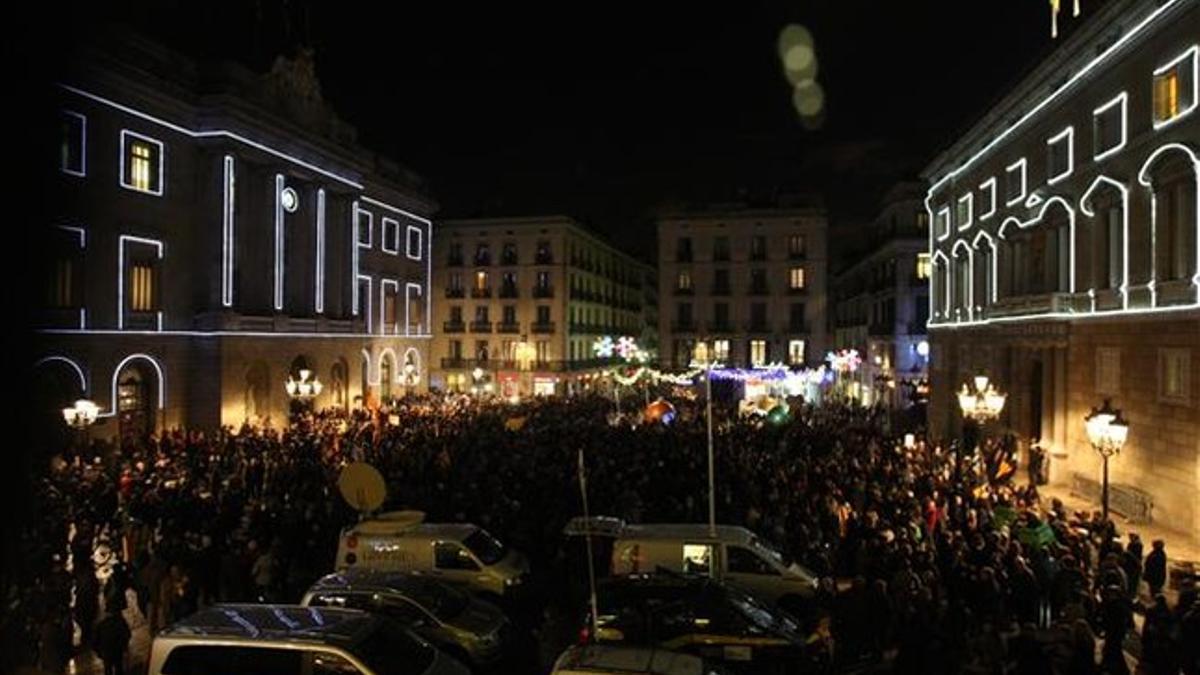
608	111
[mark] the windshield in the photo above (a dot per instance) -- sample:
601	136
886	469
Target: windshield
486	548
391	650
770	551
439	600
759	614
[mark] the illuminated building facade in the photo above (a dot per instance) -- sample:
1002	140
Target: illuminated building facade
524	299
1063	242
748	283
215	231
882	301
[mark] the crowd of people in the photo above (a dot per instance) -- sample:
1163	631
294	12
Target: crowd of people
933	562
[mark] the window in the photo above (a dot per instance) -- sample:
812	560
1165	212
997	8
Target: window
456	281
796	352
543	315
481	313
924	267
684	281
796	278
721	281
922	220
141	287
758	282
456	314
191	659
721	249
683	249
543	255
1174	375
1109	127
796	246
74	143
366	227
758	247
758	352
758	316
448	555
542	348
141	163
1175	239
391	237
1060	155
1175	88
509	314
481	348
1116	237
1108	370
796	318
697	558
508	254
721	350
389	308
482	255
745	561
684	310
987	190
329	663
721	316
62	286
1014	182
964	213
456	254
481	281
943	223
413	242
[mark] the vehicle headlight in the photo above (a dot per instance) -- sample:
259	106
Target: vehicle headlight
513	581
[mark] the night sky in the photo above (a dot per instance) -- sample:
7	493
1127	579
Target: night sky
611	111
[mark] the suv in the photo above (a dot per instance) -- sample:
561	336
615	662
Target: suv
447	617
286	639
702	617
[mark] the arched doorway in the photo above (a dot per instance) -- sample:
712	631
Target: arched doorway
135	402
58	383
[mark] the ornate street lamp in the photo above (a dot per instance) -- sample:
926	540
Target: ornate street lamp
979	406
1106	431
81	415
306	388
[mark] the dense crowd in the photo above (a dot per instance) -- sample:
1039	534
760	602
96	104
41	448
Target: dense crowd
945	563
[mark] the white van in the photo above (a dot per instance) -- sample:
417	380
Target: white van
731	554
455	553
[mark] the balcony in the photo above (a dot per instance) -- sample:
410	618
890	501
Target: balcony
797	291
454	327
508	292
758	290
479	293
685	291
455	293
758	256
758	327
481	326
683	256
543	258
483	260
683	326
542	292
542	327
1027	304
508	327
508	260
797	255
720	327
798	328
720	290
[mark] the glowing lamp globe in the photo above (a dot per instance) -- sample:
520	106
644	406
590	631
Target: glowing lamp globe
660	411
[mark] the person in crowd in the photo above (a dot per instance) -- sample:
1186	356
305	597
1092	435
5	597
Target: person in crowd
1155	571
112	641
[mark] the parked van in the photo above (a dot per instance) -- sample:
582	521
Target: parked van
455	553
731	554
290	639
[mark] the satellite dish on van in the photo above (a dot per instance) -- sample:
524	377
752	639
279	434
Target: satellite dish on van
362	487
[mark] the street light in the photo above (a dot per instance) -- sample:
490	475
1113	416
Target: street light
304	389
81	416
1106	431
700	358
980	405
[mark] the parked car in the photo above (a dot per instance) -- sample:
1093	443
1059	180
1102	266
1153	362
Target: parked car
288	639
615	660
451	619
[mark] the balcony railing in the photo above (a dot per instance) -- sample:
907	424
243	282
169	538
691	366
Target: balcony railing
508	260
542	327
481	293
543	259
720	327
792	290
481	326
798	327
483	260
455	292
454	327
543	292
508	291
758	256
758	290
757	327
683	326
720	290
508	327
797	255
454	261
685	291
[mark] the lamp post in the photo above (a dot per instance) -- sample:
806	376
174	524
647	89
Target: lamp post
476	378
979	405
700	358
81	416
411	377
305	389
1106	431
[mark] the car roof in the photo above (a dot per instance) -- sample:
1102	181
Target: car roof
292	623
375	528
361	579
694	531
614	659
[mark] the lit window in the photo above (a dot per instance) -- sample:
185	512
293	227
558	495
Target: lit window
721	350
796	245
922	220
141	159
141	288
1108	127
1014	182
481	281
796	278
62	286
413	242
1060	155
758	352
684	281
74	140
924	267
1175	88
796	352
